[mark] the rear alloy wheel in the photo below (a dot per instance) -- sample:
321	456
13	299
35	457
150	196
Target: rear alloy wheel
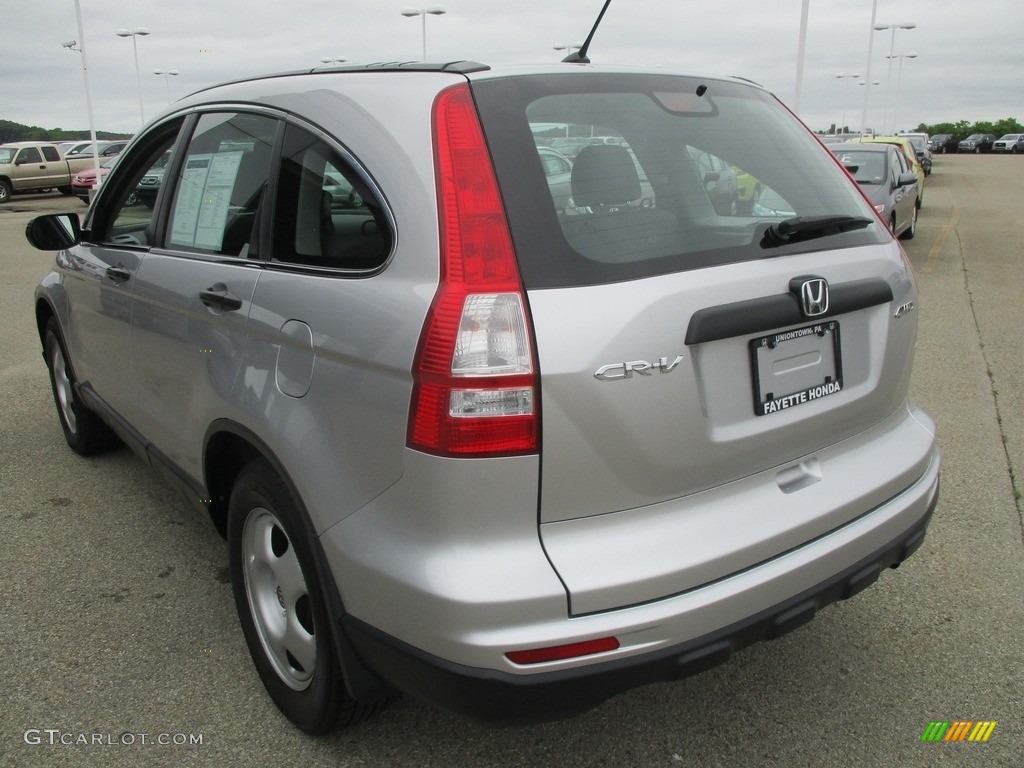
84	431
281	606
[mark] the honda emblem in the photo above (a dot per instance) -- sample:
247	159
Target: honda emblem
814	297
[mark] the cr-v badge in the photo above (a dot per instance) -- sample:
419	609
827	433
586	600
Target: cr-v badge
614	371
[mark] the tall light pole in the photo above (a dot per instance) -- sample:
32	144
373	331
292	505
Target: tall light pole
892	45
133	34
899	77
846	90
71	46
168	74
867	69
800	50
434	10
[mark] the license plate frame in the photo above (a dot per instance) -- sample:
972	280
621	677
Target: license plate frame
796	367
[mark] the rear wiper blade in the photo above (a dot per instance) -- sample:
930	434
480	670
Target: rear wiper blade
801	228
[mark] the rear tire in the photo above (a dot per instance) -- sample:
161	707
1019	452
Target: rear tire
84	431
282	611
909	233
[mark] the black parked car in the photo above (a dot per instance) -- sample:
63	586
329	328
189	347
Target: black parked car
977	143
941	143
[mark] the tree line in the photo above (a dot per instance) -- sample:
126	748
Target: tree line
963	128
10	131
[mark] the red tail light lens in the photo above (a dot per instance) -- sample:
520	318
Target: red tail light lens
475	391
559	652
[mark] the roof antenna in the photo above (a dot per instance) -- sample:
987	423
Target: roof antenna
580	56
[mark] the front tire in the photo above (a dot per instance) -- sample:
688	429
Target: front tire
5	192
281	606
84	431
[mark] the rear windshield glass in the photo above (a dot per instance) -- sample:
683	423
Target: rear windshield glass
615	177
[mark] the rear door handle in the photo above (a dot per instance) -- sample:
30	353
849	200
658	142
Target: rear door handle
218	296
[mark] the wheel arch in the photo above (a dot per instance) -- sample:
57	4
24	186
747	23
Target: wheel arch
44	312
228	448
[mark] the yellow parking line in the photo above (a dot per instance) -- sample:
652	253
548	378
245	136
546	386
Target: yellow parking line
933	254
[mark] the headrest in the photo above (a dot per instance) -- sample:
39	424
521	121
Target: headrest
604	174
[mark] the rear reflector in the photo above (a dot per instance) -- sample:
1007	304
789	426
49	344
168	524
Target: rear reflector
559	652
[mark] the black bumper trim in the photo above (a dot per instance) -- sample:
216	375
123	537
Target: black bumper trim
500	698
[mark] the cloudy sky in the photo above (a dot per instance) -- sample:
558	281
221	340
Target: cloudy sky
967	66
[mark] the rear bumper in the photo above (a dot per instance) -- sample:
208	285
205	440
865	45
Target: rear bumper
503	698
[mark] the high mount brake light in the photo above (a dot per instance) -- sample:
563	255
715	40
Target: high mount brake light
475	388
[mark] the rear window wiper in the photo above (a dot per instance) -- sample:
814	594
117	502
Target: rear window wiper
800	228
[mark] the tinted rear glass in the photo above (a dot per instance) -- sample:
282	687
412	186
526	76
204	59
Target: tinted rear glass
662	179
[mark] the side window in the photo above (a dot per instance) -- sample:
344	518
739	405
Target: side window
555	164
51	154
905	164
220	184
29	155
131	218
898	164
326	214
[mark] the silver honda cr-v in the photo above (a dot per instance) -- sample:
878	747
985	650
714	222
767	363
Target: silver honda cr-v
506	445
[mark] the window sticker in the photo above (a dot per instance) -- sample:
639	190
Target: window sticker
204	196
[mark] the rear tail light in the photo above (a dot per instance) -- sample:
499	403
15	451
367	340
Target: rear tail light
475	387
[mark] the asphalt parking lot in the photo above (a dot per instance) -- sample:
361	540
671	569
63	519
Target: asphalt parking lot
122	646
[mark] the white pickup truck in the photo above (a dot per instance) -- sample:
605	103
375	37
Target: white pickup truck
30	166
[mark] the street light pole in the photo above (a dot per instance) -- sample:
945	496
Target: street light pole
846	91
70	45
434	10
167	73
867	69
899	77
800	51
133	34
892	45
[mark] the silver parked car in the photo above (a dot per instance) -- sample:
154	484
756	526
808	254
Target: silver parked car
508	461
887	179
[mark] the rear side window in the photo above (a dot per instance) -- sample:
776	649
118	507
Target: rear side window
51	154
327	215
664	174
220	184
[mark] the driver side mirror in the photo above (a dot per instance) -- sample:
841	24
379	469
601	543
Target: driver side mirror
906	179
54	232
